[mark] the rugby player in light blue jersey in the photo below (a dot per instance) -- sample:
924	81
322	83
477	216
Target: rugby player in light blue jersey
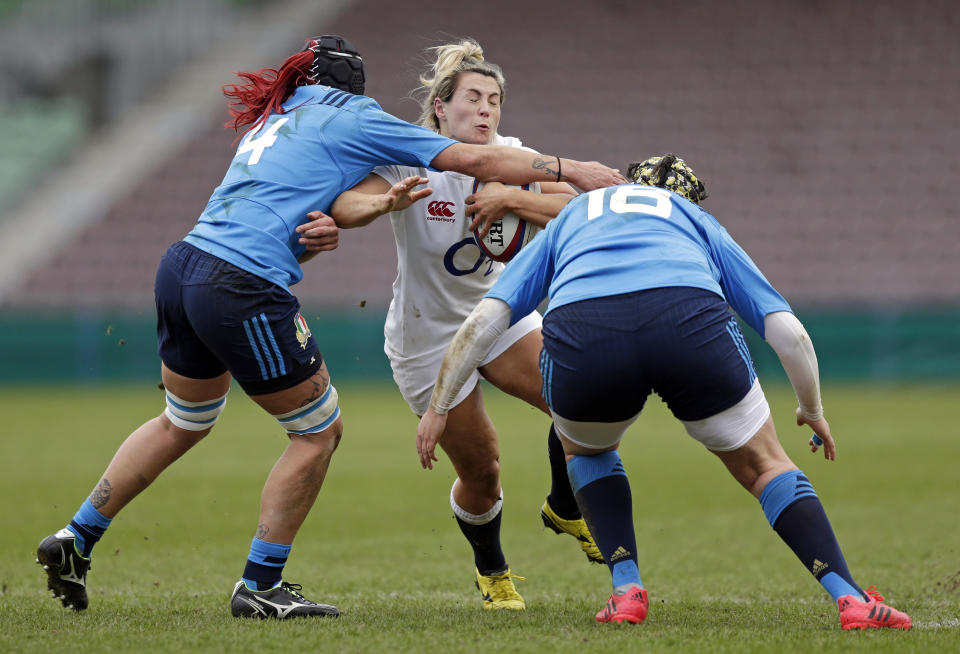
641	281
225	311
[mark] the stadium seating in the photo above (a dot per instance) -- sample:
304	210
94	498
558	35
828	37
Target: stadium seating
826	133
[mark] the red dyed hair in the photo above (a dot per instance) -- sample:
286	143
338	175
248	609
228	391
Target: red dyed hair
265	91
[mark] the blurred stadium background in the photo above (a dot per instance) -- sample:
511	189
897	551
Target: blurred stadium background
827	133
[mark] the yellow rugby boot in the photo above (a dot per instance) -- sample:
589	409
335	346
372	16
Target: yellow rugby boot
576	528
499	592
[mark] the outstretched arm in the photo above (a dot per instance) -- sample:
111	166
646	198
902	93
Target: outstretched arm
374	197
501	163
488	320
360	206
792	344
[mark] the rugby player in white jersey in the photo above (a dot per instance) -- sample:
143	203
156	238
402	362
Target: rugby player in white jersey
441	276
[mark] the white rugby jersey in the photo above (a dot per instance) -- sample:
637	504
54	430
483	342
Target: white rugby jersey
441	272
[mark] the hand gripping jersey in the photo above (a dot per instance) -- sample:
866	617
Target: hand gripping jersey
441	272
299	161
631	238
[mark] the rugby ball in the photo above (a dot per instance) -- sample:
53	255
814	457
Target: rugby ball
508	235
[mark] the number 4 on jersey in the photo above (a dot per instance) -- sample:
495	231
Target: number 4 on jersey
257	144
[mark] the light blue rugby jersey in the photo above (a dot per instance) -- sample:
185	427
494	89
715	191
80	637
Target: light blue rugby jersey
328	141
631	238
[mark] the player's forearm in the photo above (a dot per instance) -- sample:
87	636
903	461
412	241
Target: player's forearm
792	344
356	209
489	319
499	163
539	208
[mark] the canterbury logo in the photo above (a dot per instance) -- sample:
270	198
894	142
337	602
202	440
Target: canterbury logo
620	553
819	566
441	209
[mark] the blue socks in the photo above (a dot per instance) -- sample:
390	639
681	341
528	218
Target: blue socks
794	511
88	526
602	489
265	564
264	568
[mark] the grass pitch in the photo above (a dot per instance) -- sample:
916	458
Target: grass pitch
381	543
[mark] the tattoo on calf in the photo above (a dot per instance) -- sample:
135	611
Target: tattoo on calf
262	531
101	494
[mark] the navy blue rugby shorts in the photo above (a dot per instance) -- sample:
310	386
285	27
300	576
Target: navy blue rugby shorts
602	357
213	317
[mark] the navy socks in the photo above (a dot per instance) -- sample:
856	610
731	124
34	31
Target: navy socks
561	498
794	511
483	534
602	490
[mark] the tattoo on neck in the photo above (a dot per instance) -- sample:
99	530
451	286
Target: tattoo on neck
101	494
544	165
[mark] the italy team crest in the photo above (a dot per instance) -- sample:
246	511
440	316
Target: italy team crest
303	332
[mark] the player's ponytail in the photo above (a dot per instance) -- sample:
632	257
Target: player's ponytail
265	91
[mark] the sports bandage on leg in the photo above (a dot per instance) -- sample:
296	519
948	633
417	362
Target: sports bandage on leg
194	416
732	428
471	518
314	417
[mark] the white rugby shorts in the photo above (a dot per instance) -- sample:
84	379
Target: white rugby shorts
416	376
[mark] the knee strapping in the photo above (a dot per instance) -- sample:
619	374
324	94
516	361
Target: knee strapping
194	416
315	417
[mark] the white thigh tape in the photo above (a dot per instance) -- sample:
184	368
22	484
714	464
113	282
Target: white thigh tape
315	417
731	428
193	416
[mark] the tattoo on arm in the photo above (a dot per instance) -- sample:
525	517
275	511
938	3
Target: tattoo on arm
262	531
544	164
101	494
